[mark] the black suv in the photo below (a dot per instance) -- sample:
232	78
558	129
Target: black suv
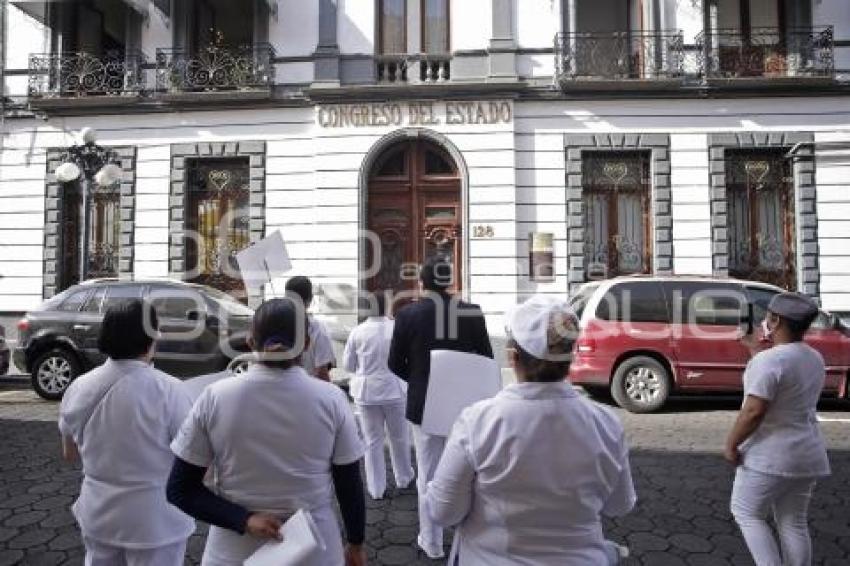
201	330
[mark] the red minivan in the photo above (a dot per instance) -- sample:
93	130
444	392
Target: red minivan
644	337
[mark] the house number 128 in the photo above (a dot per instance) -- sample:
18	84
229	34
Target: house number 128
482	231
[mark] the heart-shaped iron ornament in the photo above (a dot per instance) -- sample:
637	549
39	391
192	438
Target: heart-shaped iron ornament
615	172
757	171
219	178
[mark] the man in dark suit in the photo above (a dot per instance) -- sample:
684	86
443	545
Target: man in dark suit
438	321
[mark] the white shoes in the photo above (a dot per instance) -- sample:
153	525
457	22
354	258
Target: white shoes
432	551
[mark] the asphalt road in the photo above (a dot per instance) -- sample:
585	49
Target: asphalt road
682	482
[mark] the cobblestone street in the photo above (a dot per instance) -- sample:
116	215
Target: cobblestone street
683	487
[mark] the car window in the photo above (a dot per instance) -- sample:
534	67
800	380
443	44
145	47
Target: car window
228	303
95	300
635	301
74	301
118	293
579	300
174	303
706	303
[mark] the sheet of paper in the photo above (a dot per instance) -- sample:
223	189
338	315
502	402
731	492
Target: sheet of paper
196	385
300	539
264	261
457	381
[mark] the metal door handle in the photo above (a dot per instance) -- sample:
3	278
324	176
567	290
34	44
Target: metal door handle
82	326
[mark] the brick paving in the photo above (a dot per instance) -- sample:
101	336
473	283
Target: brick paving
683	485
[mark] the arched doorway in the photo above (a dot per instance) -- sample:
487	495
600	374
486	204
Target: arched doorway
414	208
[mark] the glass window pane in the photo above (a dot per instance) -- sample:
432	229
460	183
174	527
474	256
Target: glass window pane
95	301
640	301
74	301
616	201
395	165
435	164
393	37
176	303
219	214
706	303
435	26
760	217
104	234
120	293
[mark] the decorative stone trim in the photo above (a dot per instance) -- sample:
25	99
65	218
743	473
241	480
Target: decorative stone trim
805	205
54	204
662	220
255	151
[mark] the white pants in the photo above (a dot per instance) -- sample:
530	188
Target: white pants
99	554
375	419
755	496
429	449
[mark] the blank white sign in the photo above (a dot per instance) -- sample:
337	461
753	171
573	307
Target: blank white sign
457	380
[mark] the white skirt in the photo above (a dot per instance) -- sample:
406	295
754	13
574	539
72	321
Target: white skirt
227	548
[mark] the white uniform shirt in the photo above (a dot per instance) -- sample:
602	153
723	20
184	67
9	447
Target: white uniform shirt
788	442
366	353
273	435
123	441
320	352
526	474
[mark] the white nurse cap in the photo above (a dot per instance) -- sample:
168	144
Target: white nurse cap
545	327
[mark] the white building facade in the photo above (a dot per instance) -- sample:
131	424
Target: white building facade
539	143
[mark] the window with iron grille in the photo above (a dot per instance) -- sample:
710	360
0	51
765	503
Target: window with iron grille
760	212
616	197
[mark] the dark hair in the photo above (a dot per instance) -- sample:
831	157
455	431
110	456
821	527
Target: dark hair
301	286
128	330
437	273
380	303
275	329
539	370
798	328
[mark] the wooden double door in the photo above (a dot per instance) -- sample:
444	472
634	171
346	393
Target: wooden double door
414	211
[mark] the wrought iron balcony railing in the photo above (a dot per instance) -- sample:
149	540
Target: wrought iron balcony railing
83	74
618	55
403	68
215	69
768	52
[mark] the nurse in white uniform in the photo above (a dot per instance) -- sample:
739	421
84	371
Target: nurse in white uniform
280	440
380	397
526	475
776	443
318	357
119	419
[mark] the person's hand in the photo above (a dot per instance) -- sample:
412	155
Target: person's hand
731	455
355	555
264	526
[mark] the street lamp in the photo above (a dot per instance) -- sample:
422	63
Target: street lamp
92	165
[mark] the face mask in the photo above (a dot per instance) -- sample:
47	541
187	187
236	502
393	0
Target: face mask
766	331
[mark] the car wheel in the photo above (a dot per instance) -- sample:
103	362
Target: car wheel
641	384
52	373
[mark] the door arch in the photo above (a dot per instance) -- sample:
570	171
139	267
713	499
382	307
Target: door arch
414	208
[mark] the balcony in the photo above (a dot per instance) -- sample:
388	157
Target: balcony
113	78
768	55
234	70
410	69
592	60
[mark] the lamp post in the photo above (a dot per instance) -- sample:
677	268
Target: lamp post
92	165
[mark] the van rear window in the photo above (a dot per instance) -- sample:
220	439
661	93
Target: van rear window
634	301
